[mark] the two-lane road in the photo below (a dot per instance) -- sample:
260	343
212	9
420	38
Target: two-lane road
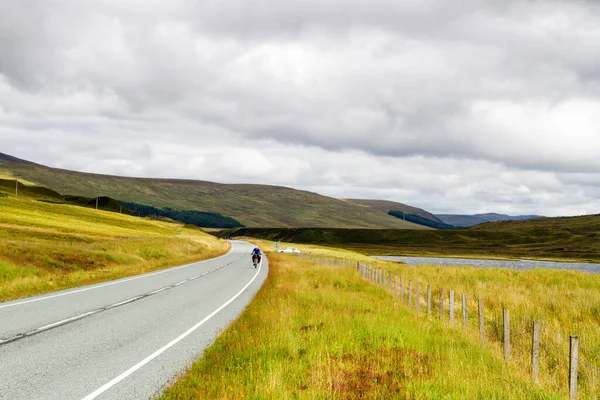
123	339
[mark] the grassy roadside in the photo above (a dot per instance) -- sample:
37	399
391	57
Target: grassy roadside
566	303
46	246
320	332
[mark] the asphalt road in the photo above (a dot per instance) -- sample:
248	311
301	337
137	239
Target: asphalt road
124	339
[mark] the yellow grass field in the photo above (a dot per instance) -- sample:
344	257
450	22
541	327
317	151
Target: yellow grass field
46	246
565	302
316	331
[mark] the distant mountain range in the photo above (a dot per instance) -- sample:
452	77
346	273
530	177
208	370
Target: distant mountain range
463	221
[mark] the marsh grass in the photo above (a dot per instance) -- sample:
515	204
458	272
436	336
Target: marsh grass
46	246
316	331
566	302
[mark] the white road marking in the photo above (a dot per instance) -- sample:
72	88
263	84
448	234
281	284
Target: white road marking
115	282
158	290
158	352
64	321
77	317
126	301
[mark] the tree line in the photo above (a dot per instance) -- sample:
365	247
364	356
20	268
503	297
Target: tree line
199	218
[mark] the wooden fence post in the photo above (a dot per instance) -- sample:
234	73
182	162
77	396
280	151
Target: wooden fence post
389	280
573	359
481	323
428	300
410	293
535	351
402	289
418	299
441	303
395	286
451	306
506	336
464	310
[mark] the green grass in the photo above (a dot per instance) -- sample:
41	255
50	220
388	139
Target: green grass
252	205
573	238
320	332
566	303
46	246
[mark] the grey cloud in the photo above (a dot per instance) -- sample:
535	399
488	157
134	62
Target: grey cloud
476	87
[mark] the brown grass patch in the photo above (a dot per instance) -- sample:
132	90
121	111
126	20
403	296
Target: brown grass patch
371	372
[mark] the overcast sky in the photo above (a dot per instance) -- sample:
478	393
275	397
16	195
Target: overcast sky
457	106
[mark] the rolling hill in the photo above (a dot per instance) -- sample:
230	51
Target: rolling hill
463	221
385	207
568	238
48	243
252	205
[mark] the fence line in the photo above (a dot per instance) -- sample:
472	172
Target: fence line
503	329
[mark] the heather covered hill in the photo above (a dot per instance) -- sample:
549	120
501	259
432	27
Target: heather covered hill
251	205
561	238
464	221
385	206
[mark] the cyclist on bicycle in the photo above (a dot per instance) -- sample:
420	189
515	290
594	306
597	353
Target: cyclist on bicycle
256	253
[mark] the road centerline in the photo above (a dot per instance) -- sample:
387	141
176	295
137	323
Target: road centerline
161	350
99	310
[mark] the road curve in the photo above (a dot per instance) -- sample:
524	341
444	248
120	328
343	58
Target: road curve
124	339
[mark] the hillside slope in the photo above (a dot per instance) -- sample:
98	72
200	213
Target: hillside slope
47	245
252	205
568	238
385	206
579	226
464	221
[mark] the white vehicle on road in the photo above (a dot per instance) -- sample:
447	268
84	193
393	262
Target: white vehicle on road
290	250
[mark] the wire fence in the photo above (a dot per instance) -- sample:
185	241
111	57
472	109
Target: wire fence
565	367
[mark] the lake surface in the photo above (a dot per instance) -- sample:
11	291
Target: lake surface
513	264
